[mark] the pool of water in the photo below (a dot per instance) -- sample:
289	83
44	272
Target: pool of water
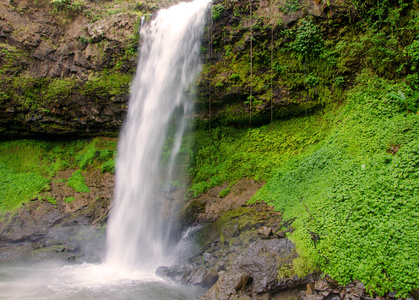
56	280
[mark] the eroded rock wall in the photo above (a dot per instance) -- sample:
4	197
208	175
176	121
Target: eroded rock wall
66	68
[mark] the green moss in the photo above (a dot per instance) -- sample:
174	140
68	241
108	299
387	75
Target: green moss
28	166
108	167
98	153
69	199
108	83
228	154
224	193
217	11
18	188
51	200
76	181
13	60
242	221
59	88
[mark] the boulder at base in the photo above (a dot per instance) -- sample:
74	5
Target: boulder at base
254	274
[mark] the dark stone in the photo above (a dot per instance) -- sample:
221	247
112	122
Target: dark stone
196	277
162	271
257	269
210	278
321	285
280	234
325	294
227	285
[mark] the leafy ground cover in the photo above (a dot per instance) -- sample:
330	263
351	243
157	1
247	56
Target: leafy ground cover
355	195
226	154
28	166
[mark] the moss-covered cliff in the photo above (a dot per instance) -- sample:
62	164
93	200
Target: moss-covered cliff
338	83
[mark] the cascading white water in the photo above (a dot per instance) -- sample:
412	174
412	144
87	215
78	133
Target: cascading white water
169	63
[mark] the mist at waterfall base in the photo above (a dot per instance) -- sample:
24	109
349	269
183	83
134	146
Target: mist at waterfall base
137	239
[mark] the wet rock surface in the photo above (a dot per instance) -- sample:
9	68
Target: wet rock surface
254	274
238	254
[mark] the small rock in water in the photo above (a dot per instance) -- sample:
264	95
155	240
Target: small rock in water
162	271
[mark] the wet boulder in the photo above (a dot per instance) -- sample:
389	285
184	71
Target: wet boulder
255	272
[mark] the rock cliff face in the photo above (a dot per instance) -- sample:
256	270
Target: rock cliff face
66	66
259	66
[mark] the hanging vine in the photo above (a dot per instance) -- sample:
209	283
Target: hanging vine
272	69
251	61
209	80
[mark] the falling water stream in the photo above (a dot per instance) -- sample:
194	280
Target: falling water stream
138	238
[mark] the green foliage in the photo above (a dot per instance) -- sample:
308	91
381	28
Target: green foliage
290	6
109	83
228	154
28	166
13	60
108	167
51	200
76	181
59	88
413	51
380	11
308	43
67	6
61	2
18	188
355	193
339	81
92	155
217	11
69	199
224	193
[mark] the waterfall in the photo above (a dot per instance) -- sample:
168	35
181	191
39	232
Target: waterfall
137	237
